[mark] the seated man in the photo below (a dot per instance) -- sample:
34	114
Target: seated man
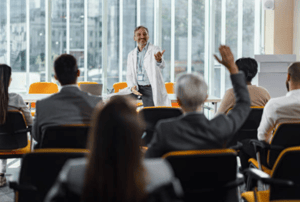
277	110
193	131
259	96
70	105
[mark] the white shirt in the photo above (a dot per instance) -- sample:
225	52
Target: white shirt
279	110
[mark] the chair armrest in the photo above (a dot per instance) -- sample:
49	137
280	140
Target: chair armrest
238	146
15	186
25	130
239	181
263	145
265	178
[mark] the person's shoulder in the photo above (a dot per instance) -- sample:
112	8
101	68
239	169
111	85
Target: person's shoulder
169	121
159	171
132	51
15	96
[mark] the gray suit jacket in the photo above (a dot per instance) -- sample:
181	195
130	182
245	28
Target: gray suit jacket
69	106
193	131
69	184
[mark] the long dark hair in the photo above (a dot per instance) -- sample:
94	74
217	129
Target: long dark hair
115	171
5	73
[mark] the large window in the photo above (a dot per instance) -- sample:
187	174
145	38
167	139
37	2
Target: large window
99	33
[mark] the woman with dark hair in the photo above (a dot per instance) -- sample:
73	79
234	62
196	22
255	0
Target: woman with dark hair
259	96
9	101
114	169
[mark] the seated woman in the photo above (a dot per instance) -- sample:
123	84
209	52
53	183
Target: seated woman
114	169
9	101
259	96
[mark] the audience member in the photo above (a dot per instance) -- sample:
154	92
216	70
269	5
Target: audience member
277	110
192	130
9	101
70	105
259	96
114	169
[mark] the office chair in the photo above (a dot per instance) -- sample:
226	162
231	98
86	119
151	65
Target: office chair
85	82
249	129
39	171
154	114
206	175
14	141
118	86
64	136
284	179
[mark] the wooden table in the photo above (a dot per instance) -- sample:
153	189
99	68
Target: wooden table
34	97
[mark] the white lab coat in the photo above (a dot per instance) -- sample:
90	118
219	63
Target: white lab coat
160	96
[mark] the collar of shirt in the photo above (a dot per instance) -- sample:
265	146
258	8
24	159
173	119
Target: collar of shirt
70	85
293	92
144	49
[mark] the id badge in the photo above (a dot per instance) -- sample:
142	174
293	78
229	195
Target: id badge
140	77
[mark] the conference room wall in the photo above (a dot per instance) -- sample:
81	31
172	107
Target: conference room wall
189	30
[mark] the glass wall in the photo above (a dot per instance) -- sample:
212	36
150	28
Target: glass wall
188	30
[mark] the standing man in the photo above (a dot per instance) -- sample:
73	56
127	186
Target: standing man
144	66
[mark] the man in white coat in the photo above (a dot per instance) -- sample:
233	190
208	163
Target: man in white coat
144	65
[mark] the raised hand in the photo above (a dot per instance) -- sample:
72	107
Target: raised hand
227	59
159	55
134	91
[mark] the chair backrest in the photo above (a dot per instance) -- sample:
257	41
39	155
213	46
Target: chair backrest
43	88
40	170
249	129
86	82
201	172
169	87
94	89
286	168
118	86
286	135
154	114
65	136
15	121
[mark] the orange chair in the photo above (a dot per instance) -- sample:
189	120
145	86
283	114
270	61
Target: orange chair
170	90
42	88
86	82
118	86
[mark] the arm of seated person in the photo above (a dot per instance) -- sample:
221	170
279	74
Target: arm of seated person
267	123
156	146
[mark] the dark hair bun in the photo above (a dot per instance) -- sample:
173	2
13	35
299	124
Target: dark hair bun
248	66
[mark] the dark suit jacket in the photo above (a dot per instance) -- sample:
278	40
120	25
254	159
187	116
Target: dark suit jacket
69	106
193	131
69	184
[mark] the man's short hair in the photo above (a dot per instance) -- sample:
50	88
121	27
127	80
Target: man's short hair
66	69
294	72
139	27
191	90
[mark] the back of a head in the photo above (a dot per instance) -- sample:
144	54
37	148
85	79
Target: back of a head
66	69
248	66
115	171
191	90
5	74
294	72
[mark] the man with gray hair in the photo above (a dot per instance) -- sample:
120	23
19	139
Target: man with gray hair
192	130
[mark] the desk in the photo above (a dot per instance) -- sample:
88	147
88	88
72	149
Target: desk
34	97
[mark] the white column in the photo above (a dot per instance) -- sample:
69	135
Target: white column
68	27
209	44
121	41
85	39
48	35
256	27
27	45
138	13
172	40
104	44
189	56
240	29
8	31
223	42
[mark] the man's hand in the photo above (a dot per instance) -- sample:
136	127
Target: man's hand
134	91
159	55
227	59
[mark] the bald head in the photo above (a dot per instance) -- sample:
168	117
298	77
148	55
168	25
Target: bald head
294	72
